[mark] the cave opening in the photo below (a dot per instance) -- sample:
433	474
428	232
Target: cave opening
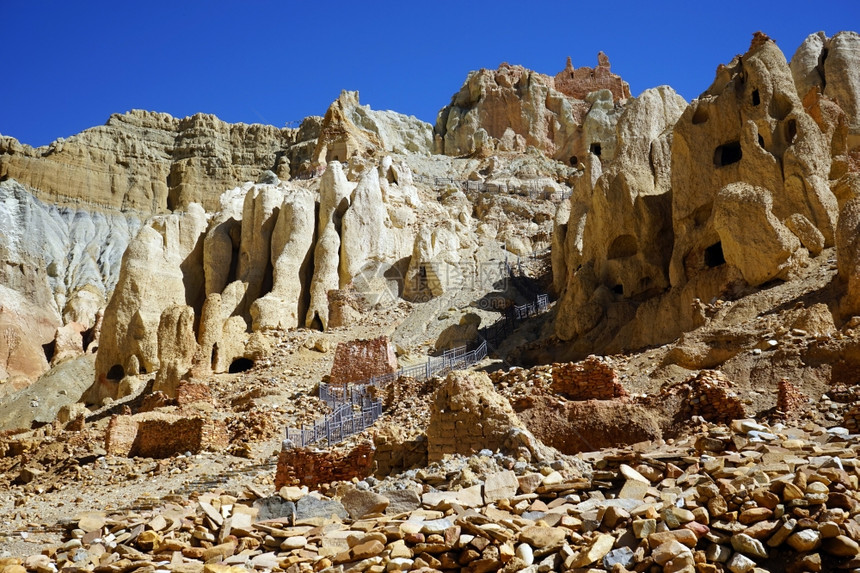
790	131
240	365
727	154
700	115
595	149
116	372
756	98
574	160
714	255
618	289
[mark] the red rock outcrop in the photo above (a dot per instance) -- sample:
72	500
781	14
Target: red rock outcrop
579	82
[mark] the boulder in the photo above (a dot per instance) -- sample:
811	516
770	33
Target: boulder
752	238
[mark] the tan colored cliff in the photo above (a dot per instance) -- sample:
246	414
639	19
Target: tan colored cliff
739	187
149	162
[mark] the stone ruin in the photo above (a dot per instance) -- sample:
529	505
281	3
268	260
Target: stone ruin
579	82
590	379
312	467
360	360
161	435
709	395
468	415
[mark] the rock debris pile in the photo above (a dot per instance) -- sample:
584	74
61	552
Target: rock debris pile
727	498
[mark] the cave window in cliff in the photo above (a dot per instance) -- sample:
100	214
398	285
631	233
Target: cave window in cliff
761	141
790	131
618	289
49	349
714	255
116	372
700	115
595	149
756	98
727	154
622	246
316	323
240	365
574	160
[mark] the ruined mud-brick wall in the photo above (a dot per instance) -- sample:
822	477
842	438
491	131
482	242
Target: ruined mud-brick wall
591	379
789	399
579	82
397	452
468	416
359	360
312	467
709	395
158	435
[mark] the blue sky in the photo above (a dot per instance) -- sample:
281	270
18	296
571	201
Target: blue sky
69	65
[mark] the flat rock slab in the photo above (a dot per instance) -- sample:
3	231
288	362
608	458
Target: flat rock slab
401	501
359	503
310	507
274	507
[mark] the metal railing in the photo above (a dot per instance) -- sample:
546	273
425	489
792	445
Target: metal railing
504	326
355	406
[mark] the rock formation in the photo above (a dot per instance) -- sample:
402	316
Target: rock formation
737	186
161	268
59	265
334	200
750	126
350	129
617	236
286	305
195	290
830	65
149	162
511	108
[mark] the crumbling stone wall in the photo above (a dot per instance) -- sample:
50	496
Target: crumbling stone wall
312	467
190	392
396	451
789	399
590	379
159	435
468	416
709	395
851	418
359	360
